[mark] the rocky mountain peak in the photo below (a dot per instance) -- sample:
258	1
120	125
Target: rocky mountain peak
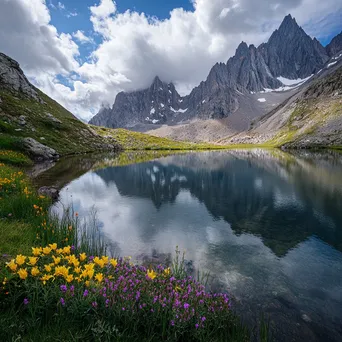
291	53
242	49
288	24
335	45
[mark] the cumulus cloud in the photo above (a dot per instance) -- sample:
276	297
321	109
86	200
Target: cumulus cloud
134	47
82	38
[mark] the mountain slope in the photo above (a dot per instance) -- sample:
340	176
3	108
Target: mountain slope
335	46
289	54
26	112
311	118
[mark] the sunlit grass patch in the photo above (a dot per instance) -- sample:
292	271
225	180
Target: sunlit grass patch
14	158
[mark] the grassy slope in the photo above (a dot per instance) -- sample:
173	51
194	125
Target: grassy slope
139	141
315	109
69	136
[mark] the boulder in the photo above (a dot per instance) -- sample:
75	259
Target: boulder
49	191
22	120
38	151
52	118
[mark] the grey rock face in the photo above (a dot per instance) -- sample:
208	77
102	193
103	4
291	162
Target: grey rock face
38	151
13	78
158	104
291	53
335	45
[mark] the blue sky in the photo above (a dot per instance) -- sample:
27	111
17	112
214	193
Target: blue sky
83	52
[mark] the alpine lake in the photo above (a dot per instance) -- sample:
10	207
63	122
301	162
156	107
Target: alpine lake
263	225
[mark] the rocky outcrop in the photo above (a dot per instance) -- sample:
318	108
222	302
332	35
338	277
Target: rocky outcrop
38	151
291	53
335	46
13	78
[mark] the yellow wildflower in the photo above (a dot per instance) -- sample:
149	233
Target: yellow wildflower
69	278
167	271
53	246
90	273
105	259
99	277
46	250
56	260
66	250
151	274
89	266
32	261
87	283
99	262
22	273
61	271
59	250
45	278
20	259
34	271
113	262
12	265
83	256
77	270
48	268
177	288
36	251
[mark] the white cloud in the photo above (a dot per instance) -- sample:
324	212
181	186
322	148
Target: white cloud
134	48
82	38
72	14
60	6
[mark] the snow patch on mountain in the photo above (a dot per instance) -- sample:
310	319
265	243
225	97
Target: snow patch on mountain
331	64
179	110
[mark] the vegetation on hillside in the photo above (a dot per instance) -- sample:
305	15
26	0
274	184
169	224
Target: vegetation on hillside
130	140
47	122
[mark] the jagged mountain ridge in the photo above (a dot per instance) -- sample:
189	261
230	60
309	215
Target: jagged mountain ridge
289	53
157	104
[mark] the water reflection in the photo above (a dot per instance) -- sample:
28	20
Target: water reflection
266	223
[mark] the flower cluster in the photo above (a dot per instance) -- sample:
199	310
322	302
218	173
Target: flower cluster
118	284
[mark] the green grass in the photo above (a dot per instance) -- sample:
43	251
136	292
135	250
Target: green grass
130	140
14	158
69	136
16	237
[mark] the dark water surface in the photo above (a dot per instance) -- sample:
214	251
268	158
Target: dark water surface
266	224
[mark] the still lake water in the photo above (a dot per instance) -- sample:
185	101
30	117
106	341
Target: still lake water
266	224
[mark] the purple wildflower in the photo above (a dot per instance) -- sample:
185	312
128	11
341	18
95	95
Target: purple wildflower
85	293
186	305
63	288
73	248
94	305
62	301
203	319
196	325
26	301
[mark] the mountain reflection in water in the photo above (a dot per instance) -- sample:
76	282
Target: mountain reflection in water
267	224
